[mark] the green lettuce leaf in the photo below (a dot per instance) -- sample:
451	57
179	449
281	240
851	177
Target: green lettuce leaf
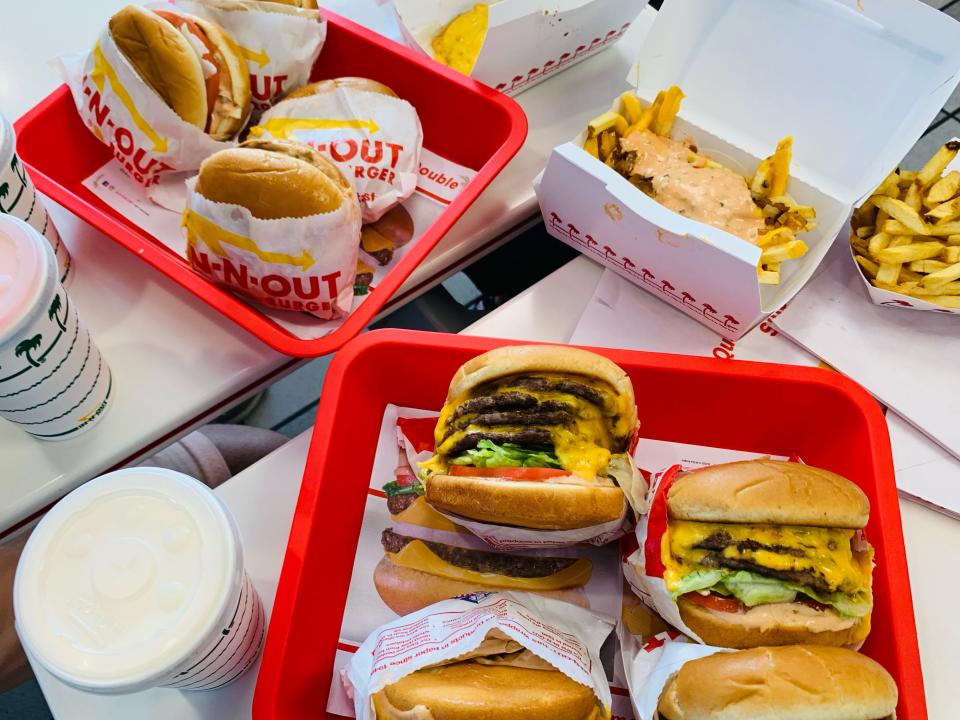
393	489
752	589
491	454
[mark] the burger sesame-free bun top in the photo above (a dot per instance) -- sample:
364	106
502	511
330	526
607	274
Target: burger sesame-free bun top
274	179
325	86
797	682
768	492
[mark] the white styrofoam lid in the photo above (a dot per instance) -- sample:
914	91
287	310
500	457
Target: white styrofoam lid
856	82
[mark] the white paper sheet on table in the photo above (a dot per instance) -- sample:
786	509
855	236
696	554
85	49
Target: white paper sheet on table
621	315
904	358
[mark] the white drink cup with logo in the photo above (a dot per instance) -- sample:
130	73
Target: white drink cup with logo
54	383
19	198
135	580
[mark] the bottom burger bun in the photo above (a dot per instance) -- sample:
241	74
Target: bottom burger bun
405	590
774	624
530	504
357	83
783	683
474	691
274	179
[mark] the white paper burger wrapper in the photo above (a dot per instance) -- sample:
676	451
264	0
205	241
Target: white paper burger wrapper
564	635
281	43
146	136
648	666
374	139
302	264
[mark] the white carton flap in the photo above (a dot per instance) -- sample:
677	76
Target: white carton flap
855	82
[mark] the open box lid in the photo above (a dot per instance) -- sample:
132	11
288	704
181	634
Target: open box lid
856	82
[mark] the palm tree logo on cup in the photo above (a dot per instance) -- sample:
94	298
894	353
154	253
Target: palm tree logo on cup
53	313
25	347
5	187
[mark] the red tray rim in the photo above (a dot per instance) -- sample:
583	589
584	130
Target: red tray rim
268	682
154	253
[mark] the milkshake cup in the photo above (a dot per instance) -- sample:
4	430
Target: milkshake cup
54	383
135	580
19	198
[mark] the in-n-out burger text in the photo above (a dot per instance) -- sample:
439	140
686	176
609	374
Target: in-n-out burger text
138	161
372	153
264	88
297	293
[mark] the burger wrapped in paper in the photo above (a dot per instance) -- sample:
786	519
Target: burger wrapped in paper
278	223
672	680
509	656
163	89
372	135
760	552
280	41
532	448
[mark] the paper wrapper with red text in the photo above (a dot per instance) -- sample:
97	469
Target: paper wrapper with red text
565	636
375	140
280	43
303	264
643	568
148	139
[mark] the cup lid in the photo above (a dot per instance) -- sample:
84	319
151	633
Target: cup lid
26	264
125	577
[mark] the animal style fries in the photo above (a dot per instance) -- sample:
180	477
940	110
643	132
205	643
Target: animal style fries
906	236
635	141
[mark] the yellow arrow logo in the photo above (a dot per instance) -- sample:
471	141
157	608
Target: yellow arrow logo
200	228
260	58
282	128
103	70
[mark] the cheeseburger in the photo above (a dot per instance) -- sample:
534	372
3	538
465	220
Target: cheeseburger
769	553
801	682
499	680
535	436
192	64
274	179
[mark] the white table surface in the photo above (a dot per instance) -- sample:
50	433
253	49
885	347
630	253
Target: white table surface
177	363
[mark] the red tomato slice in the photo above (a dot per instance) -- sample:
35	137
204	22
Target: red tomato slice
715	602
508	473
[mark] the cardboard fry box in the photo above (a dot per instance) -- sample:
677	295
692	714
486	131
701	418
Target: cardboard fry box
855	87
527	40
887	298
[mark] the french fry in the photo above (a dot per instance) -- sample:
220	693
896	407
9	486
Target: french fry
947	274
935	165
909	253
950	254
945	211
894	227
953	240
944	188
607	121
907	176
789	250
780	234
762	181
865	232
903	213
632	107
608	143
914	196
868	265
878	242
948	301
920	290
769	275
943	229
592	146
890	187
888	273
928	266
781	166
667	112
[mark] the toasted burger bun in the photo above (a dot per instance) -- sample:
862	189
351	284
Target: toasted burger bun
471	691
540	505
768	492
166	61
405	590
274	179
773	624
357	83
785	683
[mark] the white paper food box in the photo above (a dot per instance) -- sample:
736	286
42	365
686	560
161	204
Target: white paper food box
527	40
890	299
854	83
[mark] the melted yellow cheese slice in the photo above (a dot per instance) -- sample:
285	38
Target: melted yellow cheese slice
826	551
417	556
422	515
458	45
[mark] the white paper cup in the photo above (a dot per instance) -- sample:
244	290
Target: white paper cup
135	580
19	198
53	381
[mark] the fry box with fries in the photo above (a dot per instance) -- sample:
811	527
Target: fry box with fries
512	45
905	238
809	102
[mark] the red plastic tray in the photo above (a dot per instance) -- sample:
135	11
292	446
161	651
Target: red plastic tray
463	120
828	420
